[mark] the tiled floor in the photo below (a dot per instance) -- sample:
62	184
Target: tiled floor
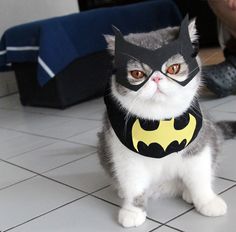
51	181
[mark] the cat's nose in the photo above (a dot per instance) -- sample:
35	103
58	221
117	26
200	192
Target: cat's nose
157	78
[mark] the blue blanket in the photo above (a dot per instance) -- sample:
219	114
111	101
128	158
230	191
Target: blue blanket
55	43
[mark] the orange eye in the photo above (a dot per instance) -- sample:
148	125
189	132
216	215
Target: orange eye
137	74
173	69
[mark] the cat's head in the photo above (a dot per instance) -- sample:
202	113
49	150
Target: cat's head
162	95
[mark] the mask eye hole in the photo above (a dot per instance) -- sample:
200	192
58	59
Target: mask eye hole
137	74
173	69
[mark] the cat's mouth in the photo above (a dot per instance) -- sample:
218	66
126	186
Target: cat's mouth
159	91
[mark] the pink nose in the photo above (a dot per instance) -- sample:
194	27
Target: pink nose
156	79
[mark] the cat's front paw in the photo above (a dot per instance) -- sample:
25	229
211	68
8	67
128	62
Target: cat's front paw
215	207
131	218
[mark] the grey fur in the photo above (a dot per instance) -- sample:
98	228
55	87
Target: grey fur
121	89
211	135
214	134
140	202
228	128
153	39
104	152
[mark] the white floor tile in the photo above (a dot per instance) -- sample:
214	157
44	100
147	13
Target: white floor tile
52	156
210	102
10	174
89	137
85	174
62	130
86	109
86	215
11	118
96	115
219	116
195	222
228	159
21	143
90	109
227	107
7	134
31	198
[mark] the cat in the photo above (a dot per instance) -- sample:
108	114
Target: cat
189	171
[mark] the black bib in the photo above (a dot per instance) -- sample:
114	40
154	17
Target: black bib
149	138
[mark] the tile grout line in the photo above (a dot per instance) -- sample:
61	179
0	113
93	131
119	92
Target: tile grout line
25	152
227	189
156	228
174	228
180	215
223	178
70	162
79	143
18	182
40	173
8	95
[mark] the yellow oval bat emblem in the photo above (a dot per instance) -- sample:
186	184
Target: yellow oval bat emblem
165	134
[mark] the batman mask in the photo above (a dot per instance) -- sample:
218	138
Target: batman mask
124	51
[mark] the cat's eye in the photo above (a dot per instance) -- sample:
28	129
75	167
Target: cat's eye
173	69
137	74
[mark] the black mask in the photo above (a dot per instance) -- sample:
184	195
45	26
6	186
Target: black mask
124	51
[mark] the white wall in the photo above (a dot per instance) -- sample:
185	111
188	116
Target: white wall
14	12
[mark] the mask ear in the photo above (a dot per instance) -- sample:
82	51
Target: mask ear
110	39
193	31
194	36
117	32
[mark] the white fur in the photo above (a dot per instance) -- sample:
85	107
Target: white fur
190	177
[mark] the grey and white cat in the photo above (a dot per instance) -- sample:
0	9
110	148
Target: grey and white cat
188	173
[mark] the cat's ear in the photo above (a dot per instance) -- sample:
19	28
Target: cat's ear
193	31
110	39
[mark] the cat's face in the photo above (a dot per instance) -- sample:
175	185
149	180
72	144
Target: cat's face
158	86
160	90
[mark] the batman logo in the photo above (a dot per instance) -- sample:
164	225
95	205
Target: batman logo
165	134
